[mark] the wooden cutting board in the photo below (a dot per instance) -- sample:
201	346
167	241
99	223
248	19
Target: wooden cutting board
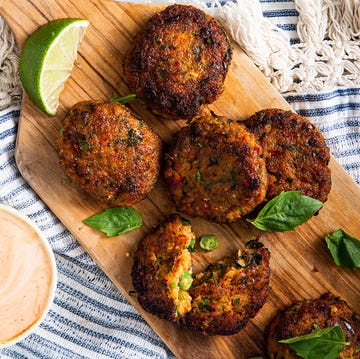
301	264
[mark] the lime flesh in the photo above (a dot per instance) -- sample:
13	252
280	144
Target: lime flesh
47	59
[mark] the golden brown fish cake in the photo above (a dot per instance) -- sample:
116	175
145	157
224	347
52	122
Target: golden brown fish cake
215	170
179	61
230	292
219	301
161	263
109	152
309	315
295	153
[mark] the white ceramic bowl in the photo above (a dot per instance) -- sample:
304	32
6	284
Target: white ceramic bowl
53	281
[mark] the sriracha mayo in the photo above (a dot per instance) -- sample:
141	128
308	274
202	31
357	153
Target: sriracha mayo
26	277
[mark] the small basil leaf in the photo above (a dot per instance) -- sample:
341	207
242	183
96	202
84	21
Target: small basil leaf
115	221
324	343
124	99
344	249
286	211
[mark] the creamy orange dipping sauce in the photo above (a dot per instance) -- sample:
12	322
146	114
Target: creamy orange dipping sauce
25	276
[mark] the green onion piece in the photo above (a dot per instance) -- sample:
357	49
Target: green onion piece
185	280
209	242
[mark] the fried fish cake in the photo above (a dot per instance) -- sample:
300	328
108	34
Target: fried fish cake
179	61
161	272
295	153
109	152
230	292
309	315
215	170
219	301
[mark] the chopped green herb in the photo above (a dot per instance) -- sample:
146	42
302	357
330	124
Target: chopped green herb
134	137
236	301
220	266
344	249
210	40
286	211
90	106
209	242
185	280
199	177
205	305
162	73
115	221
207	277
84	146
252	243
197	50
133	294
191	248
185	221
124	99
325	343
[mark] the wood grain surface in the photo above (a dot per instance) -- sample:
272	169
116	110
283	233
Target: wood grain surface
301	264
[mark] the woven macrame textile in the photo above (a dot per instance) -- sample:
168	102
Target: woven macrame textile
326	55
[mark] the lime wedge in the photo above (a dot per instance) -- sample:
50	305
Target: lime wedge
47	59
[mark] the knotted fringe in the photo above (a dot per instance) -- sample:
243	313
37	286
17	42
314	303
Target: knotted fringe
10	89
327	56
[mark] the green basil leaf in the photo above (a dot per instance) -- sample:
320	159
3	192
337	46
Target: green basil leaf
286	211
344	249
124	99
115	221
325	343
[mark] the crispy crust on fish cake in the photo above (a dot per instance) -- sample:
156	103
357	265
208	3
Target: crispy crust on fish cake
295	153
230	292
215	170
309	315
179	61
109	152
159	263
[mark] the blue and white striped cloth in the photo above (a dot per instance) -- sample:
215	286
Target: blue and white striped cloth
90	318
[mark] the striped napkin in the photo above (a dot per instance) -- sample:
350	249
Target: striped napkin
90	318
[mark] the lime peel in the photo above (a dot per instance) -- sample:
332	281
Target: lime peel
47	59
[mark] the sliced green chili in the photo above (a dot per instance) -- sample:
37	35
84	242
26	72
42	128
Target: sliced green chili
209	242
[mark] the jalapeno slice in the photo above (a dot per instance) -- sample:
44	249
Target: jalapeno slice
209	242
